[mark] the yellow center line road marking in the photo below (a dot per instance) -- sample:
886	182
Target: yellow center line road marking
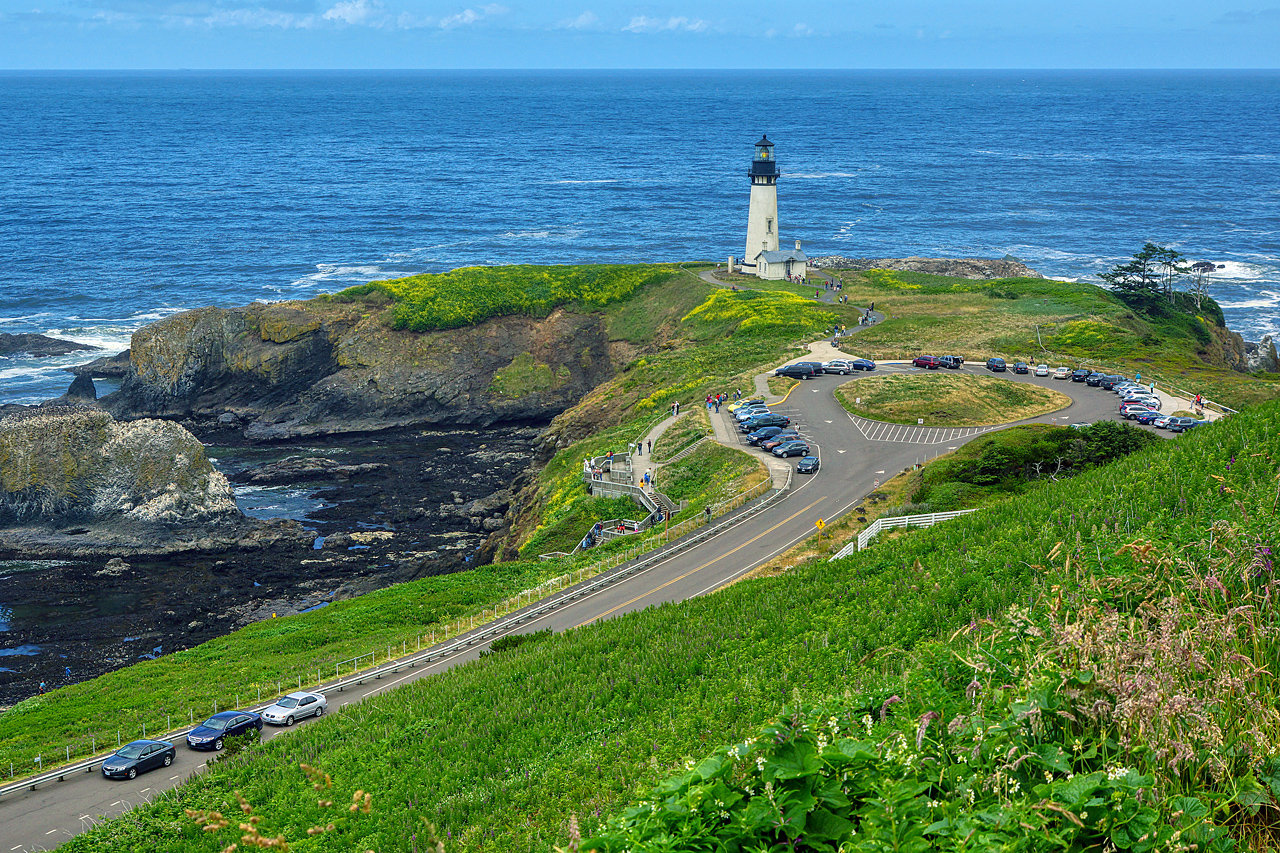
704	565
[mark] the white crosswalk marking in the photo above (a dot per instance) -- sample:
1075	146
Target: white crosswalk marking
906	434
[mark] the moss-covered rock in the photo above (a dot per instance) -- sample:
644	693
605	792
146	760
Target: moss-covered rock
81	464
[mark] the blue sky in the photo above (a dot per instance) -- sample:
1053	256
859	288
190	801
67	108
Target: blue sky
198	34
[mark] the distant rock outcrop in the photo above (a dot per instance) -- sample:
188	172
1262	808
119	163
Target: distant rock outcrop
79	464
1262	356
975	268
305	368
38	346
75	482
108	367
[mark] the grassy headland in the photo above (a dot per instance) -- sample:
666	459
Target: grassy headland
1080	602
501	752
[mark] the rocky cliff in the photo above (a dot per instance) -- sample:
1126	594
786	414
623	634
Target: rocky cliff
74	481
81	465
976	268
304	368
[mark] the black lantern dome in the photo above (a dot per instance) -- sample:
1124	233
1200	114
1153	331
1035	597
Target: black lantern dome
763	166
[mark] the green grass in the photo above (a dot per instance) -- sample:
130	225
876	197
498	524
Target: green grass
686	429
499	753
464	297
944	399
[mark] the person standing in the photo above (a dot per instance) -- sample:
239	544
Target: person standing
650	451
42	688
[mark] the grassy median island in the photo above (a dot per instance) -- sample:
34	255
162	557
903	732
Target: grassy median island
1013	678
947	399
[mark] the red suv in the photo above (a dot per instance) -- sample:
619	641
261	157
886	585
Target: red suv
929	362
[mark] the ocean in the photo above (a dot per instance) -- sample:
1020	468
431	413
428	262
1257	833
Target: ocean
126	197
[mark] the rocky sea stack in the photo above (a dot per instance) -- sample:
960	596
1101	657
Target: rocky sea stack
74	480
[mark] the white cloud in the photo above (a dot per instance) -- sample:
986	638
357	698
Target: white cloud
470	16
802	30
255	19
645	24
353	12
586	21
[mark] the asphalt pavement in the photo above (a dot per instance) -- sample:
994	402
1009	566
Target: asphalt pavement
856	456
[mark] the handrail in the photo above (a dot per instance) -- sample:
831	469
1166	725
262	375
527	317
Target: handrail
686	451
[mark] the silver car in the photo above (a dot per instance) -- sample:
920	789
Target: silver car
839	366
295	706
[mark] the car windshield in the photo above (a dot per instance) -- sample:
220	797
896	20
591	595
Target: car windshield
215	723
288	702
133	750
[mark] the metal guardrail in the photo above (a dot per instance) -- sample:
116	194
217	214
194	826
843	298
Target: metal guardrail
590	579
872	529
683	453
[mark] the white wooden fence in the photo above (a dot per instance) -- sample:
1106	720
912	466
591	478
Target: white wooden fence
926	520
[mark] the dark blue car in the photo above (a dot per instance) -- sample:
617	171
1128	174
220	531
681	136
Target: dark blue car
138	757
762	434
212	732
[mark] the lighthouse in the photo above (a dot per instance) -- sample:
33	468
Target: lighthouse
762	217
762	223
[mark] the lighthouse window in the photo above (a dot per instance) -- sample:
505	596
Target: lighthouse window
768	226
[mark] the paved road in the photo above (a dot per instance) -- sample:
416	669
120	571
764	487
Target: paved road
854	456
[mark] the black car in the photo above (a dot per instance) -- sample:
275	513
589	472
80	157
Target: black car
211	733
1110	381
801	370
1020	367
1080	375
996	365
798	447
754	424
951	362
138	757
763	434
862	364
818	367
1094	380
808	465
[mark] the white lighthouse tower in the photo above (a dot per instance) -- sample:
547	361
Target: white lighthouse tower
762	217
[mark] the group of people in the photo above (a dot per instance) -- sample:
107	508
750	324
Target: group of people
715	401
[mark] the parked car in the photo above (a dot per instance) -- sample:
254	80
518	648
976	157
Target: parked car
1130	411
1181	424
997	365
1146	399
1093	380
780	438
928	362
138	757
1080	426
798	447
800	370
953	362
749	412
212	732
1079	375
1109	381
839	366
1162	422
763	434
1148	417
1021	367
296	706
765	421
862	364
1042	370
733	407
817	366
1193	425
1062	373
808	465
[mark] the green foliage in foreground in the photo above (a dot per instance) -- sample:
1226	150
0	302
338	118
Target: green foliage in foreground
1145	622
464	297
1008	461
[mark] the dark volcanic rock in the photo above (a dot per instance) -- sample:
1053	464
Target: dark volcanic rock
299	369
306	469
38	345
82	391
976	268
107	367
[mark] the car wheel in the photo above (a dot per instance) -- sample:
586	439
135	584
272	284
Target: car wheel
217	745
168	759
288	721
133	773
320	711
